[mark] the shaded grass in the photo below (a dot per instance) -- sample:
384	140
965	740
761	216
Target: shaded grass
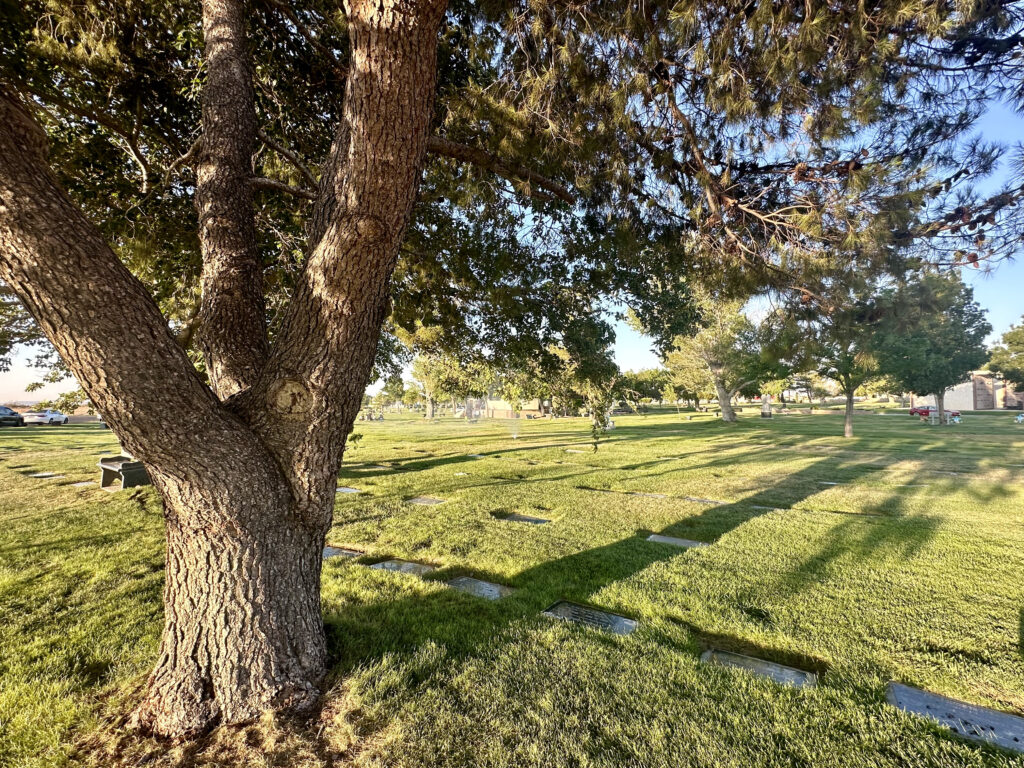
873	579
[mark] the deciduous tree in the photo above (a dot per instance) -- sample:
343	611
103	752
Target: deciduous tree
1008	356
934	338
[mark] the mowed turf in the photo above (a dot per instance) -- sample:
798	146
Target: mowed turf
909	568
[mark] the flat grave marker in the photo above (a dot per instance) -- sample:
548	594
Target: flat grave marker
45	475
476	455
828	482
371	468
647	495
966	720
515	517
461	474
404	566
684	543
83	483
480	588
347	489
699	500
574	450
780	673
768	509
330	552
425	500
591	617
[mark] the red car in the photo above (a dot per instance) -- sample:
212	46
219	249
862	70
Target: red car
925	410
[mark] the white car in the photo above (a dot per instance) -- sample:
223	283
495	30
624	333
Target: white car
48	416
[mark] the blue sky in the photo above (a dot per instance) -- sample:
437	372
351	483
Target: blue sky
1000	292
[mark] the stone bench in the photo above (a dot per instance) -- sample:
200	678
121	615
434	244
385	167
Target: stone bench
119	472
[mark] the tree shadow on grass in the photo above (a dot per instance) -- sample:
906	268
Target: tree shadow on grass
393	622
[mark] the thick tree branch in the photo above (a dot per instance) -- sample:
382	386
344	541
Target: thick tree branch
310	391
99	317
483	159
232	333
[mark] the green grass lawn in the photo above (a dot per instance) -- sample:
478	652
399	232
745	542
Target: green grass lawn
910	569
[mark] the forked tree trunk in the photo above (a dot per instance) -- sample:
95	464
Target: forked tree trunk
724	400
848	422
248	485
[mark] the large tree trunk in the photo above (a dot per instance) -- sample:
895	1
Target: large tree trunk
940	406
848	422
248	485
242	627
430	407
724	400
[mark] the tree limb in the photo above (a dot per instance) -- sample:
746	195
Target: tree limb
484	159
262	182
291	156
232	332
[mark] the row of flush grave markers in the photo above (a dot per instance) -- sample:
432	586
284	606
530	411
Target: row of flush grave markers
961	718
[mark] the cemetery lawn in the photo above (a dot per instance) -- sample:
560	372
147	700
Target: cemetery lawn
911	568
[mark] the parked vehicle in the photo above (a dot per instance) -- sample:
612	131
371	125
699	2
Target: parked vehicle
49	416
927	410
10	418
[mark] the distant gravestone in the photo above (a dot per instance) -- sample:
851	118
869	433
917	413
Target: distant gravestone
480	588
330	552
347	489
967	720
517	518
592	617
404	566
425	500
780	673
685	543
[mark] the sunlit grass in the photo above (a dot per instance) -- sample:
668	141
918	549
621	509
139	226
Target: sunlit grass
902	570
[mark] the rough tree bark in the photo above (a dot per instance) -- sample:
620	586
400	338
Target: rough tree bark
248	484
940	406
232	332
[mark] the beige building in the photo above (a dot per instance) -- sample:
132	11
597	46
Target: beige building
984	391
